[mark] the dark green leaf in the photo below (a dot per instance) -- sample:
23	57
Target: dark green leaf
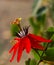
41	9
41	19
48	58
28	62
50	52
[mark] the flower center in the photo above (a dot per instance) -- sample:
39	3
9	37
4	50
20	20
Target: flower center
23	32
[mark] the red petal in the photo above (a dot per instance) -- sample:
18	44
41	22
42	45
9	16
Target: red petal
14	49
14	53
11	49
15	44
20	50
17	38
38	38
37	46
27	45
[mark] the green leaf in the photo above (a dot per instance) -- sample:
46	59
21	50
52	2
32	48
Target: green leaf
49	58
50	32
31	21
33	62
14	29
52	38
40	52
41	11
36	56
35	27
50	52
30	62
51	29
41	19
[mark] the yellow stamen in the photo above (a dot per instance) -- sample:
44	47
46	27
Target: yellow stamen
17	21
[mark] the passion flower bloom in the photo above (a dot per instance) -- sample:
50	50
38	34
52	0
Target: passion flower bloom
26	41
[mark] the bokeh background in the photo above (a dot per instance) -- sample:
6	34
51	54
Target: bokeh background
9	10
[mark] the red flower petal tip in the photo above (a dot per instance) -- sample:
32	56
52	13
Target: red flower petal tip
49	41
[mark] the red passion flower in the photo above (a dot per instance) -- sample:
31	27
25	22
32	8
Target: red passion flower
26	41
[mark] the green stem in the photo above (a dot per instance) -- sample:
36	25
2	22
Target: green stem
37	52
43	53
19	27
